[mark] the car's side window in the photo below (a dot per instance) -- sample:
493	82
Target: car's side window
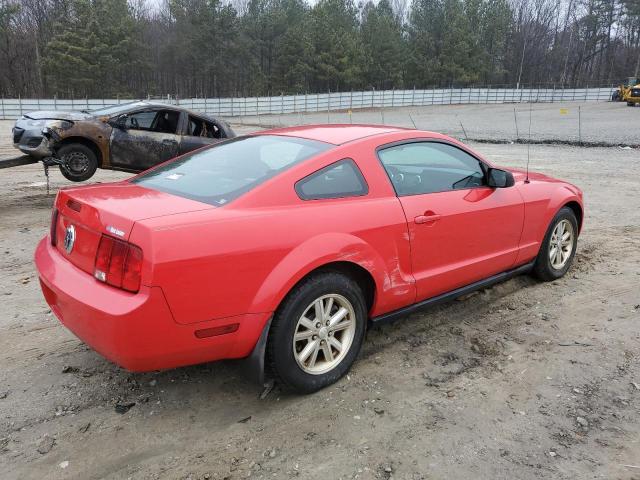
139	120
428	167
198	127
338	180
162	121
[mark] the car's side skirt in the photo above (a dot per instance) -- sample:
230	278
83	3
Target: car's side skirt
403	312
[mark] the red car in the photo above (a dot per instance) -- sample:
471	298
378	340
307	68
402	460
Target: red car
282	247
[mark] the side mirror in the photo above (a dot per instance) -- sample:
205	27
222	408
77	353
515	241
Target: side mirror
118	122
497	178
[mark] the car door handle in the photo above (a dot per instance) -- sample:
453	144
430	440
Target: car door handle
169	141
428	217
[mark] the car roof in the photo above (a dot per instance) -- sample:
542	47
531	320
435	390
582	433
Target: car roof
336	134
149	103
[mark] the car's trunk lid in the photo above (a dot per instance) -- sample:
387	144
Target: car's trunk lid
87	213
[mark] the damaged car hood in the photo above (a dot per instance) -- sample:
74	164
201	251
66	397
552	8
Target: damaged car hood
57	115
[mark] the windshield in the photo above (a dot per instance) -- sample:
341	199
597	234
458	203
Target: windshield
111	110
222	173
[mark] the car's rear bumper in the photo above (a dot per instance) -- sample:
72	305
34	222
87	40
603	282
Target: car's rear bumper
136	331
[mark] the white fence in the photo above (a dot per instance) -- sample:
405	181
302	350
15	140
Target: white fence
321	102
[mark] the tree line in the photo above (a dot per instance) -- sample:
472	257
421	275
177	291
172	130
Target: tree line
214	48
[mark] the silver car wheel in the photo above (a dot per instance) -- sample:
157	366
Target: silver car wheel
76	162
561	244
324	334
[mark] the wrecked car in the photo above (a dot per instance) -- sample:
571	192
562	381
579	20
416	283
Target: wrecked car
131	137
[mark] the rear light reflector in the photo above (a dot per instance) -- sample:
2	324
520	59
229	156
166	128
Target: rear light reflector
118	263
132	268
214	331
53	233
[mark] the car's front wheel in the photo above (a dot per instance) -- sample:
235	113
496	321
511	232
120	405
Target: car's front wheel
317	332
79	162
558	247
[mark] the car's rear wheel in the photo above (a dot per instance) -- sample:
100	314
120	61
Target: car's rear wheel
630	104
558	247
79	162
317	332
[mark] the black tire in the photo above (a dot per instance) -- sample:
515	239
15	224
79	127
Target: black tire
280	347
630	104
80	162
543	268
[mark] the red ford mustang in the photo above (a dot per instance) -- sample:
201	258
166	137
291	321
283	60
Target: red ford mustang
281	247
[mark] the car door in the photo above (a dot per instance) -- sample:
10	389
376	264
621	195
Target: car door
199	133
142	139
461	230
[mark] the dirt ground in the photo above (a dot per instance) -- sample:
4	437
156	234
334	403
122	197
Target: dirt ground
524	380
589	122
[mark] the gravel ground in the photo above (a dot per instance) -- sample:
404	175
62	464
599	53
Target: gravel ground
603	122
523	380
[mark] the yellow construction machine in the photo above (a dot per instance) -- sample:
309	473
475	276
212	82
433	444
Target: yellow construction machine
628	91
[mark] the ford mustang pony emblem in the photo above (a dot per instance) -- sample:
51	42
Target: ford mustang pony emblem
69	238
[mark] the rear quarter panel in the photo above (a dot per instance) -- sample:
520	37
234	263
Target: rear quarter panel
242	259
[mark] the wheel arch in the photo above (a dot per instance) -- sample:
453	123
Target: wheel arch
354	271
83	141
340	252
577	210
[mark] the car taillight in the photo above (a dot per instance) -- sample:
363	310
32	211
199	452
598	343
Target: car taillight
118	263
53	233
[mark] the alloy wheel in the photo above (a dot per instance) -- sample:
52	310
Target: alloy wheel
561	244
324	334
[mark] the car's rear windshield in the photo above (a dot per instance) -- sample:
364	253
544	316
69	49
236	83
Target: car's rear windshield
222	173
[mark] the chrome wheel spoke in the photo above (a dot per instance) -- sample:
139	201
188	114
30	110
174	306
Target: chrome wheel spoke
328	307
335	344
328	354
319	309
308	350
314	356
339	315
305	322
341	326
304	335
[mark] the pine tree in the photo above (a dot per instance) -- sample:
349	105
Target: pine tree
93	53
336	47
384	47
